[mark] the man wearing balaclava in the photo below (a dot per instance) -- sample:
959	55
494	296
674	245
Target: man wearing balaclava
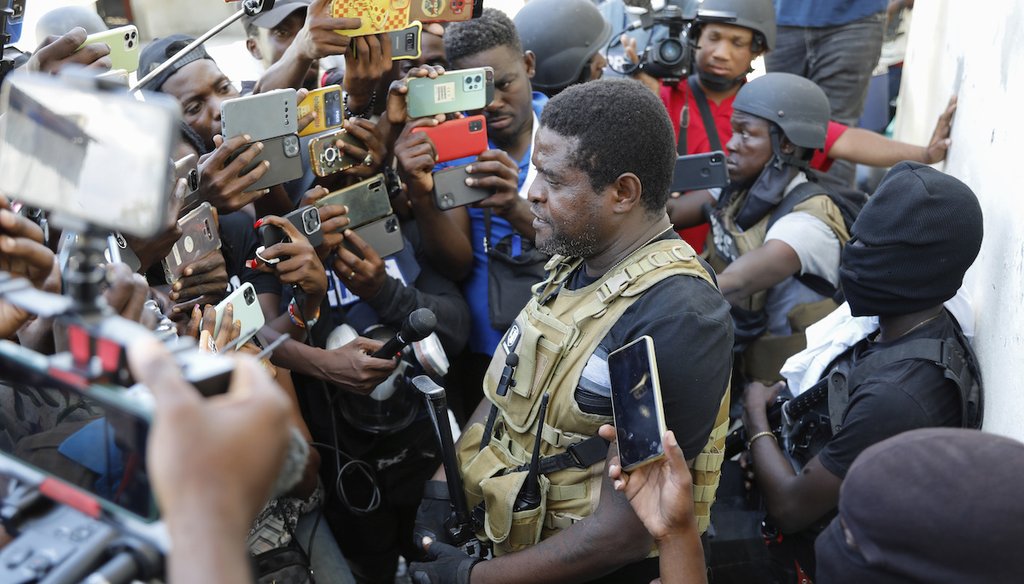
776	231
913	368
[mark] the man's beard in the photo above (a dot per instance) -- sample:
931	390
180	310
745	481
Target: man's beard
583	246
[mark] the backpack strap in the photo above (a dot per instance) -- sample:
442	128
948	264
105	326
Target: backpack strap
799	194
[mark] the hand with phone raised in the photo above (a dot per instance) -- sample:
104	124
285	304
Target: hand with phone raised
223	181
502	177
56	52
366	62
292	257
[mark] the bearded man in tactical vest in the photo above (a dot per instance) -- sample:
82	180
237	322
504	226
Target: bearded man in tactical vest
776	231
895	360
604	155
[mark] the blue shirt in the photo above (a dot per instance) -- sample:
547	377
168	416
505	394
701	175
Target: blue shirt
821	13
483	338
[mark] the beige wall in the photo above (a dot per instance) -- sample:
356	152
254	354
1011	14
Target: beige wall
976	50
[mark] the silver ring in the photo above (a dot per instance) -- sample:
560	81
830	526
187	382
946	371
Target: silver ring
368	161
351	274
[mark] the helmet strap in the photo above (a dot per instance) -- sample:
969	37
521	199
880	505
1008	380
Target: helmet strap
719	83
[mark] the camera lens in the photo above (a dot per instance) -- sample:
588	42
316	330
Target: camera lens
670	51
249	295
127	36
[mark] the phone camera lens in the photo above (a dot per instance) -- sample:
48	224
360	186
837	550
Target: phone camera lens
249	295
127	36
477	79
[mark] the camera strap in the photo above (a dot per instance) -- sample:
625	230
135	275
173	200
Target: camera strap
705	115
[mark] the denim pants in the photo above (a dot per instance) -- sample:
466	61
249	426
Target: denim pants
839	59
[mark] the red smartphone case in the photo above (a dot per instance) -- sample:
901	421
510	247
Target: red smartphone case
460	138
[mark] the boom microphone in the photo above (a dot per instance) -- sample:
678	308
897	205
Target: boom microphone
418	326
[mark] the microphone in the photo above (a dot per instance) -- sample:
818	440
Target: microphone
417	326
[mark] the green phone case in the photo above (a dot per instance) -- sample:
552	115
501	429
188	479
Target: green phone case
455	91
124	46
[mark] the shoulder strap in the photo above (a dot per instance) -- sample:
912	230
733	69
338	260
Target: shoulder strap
953	355
705	113
799	194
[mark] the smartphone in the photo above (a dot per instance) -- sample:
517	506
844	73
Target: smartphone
261	116
187	169
383	235
305	219
451	190
446	10
367	201
326	158
459	138
405	44
124	46
700	171
636	403
15	21
285	161
455	91
199	236
377	16
325	104
245	308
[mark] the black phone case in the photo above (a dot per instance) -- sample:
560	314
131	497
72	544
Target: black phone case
700	171
285	159
450	189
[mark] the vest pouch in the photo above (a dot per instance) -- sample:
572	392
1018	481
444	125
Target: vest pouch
478	467
509	530
804	315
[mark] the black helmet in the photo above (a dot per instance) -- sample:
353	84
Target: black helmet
797	105
757	15
564	35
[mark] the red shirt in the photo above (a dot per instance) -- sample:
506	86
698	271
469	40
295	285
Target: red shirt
697	141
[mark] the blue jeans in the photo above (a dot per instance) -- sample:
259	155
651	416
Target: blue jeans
839	59
328	565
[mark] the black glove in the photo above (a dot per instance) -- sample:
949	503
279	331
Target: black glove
445	565
434	509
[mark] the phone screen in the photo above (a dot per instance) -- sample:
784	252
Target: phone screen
636	403
87	441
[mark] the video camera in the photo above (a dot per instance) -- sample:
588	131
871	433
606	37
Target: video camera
665	39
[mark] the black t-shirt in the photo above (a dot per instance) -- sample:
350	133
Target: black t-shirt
689	321
238	244
901	396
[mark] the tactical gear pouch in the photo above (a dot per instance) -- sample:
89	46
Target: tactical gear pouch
510	530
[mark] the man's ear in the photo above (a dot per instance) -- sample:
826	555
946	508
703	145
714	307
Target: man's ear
627	192
254	48
530	61
786	146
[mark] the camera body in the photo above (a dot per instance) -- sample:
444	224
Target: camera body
670	51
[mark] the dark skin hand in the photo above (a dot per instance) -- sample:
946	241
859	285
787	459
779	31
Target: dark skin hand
367	133
23	255
794	501
205	281
366	62
333	221
56	52
220	183
127	293
504	181
364	277
396	114
299	264
203	322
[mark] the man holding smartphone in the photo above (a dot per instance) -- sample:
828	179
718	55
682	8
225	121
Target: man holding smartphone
619	272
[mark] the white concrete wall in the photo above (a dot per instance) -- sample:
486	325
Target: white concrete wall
976	51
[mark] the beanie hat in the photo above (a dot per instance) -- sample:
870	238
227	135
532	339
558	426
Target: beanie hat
162	49
936	505
912	242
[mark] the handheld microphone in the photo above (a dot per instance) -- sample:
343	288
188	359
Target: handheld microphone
418	326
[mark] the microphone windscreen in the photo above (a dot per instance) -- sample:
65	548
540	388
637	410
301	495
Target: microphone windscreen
294	465
419	325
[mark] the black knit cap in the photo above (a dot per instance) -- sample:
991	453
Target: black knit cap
162	49
912	242
936	505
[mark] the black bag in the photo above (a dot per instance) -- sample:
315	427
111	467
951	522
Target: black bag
284	565
510	275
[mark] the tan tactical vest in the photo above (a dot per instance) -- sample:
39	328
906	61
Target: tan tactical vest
763	359
554	336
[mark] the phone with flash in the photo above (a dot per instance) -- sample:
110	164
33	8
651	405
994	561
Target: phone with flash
637	411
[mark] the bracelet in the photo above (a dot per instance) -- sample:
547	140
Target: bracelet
761	435
293	314
366	113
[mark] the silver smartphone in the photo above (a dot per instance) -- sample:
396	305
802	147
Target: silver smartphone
261	116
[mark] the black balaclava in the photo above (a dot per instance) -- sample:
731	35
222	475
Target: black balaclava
911	244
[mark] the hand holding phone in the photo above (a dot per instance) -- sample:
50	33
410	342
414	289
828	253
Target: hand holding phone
245	309
123	43
694	172
288	253
453	92
458	138
636	403
325	105
228	176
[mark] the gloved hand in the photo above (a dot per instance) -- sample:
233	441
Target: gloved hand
445	565
434	509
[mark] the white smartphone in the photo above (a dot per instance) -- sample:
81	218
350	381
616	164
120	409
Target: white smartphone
246	308
636	403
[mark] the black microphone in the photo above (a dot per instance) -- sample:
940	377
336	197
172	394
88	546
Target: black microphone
418	326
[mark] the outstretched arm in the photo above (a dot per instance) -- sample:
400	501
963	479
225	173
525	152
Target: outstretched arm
873	149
